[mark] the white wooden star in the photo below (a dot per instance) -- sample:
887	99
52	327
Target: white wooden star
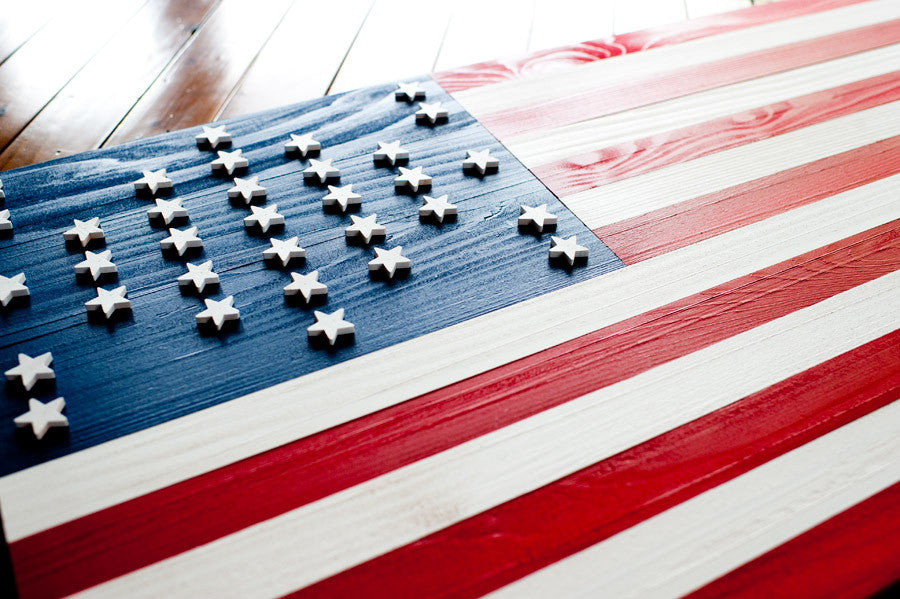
153	181
412	179
31	370
331	325
218	312
437	208
247	189
264	217
365	227
96	263
390	153
390	261
342	197
84	231
431	113
181	240
229	162
5	224
12	287
306	285
41	417
480	162
302	144
567	247
284	251
167	210
109	301
320	170
213	136
538	218
199	275
408	92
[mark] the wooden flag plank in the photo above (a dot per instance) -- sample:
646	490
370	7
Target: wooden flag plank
315	37
89	107
479	30
557	23
42	66
192	90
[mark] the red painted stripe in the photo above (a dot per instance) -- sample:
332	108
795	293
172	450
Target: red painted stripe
135	533
564	58
686	223
512	540
853	554
593	169
681	82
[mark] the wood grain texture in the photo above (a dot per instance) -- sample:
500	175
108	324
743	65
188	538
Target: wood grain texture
555	27
19	22
478	29
88	107
633	15
314	38
564	58
448	281
667	229
104	475
136	533
852	554
196	84
57	52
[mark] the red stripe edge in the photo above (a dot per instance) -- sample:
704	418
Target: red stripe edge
603	101
565	57
135	533
660	231
614	163
853	554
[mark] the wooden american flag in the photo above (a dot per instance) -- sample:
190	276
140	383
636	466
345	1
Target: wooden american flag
705	408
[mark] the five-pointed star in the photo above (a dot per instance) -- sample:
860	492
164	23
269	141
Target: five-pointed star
321	170
431	112
264	217
413	178
181	240
167	210
331	325
305	285
390	153
480	161
568	248
537	217
213	136
390	261
5	225
247	189
96	264
302	144
84	231
229	161
41	417
11	287
31	370
284	251
437	208
109	301
343	197
153	181
218	312
199	276
407	92
365	227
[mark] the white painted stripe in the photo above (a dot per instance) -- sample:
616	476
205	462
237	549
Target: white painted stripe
372	518
676	183
541	147
107	474
610	72
709	535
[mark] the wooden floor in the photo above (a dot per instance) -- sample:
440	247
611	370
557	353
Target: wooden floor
81	75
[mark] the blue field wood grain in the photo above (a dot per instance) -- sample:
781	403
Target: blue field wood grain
154	366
